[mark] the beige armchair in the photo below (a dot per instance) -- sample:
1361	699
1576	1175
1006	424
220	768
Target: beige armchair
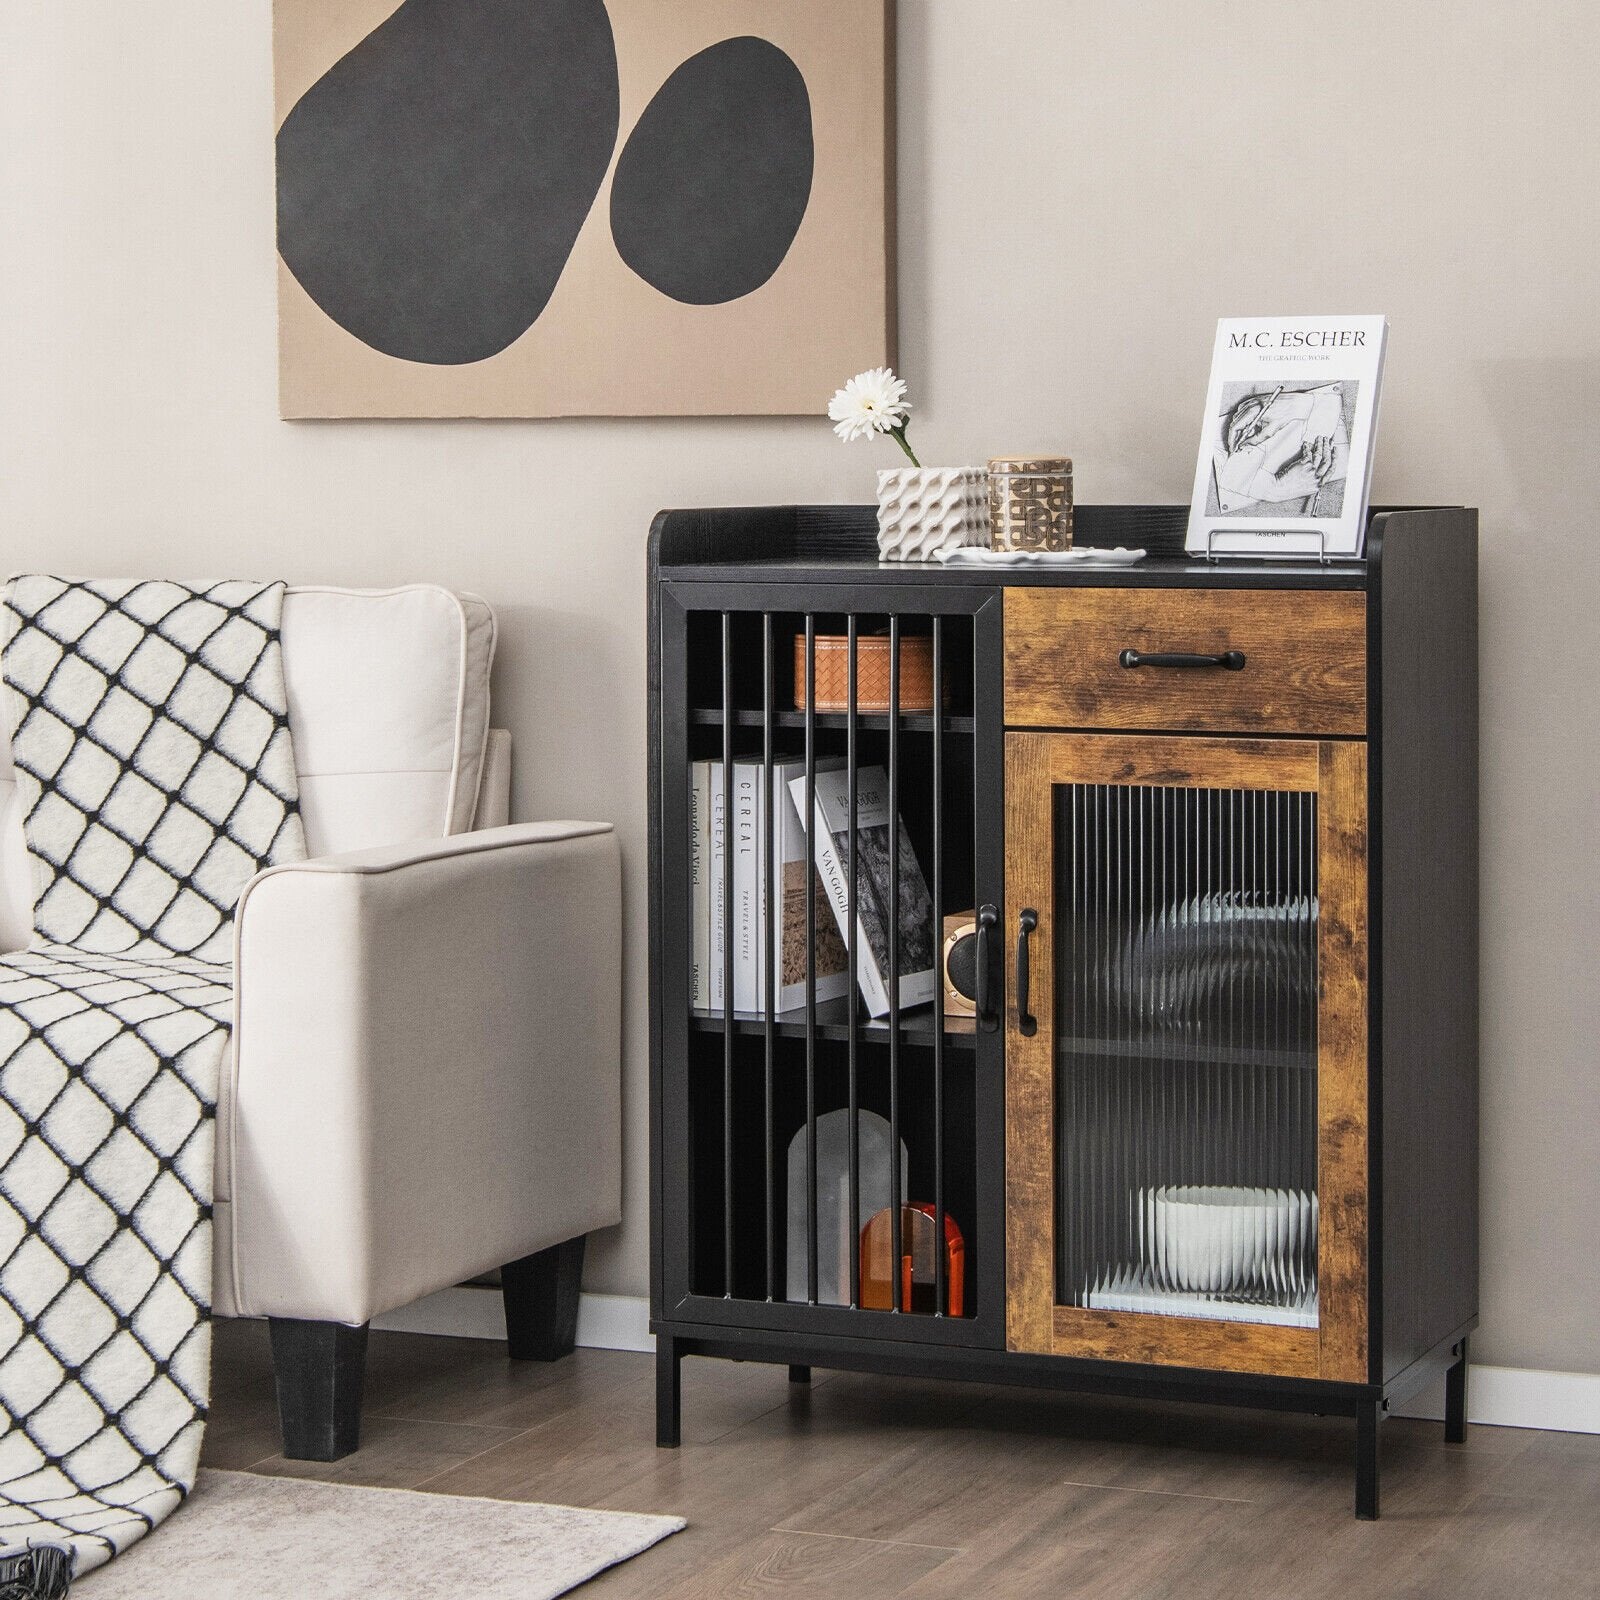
425	1076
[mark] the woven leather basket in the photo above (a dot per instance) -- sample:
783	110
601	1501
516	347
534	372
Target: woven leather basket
872	672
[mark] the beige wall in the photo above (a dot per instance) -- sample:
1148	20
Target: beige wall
1084	189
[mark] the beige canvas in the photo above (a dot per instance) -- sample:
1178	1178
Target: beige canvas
608	342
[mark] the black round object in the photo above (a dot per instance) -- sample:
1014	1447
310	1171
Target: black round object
713	183
962	966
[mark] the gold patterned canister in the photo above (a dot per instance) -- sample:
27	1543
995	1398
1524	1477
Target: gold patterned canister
1030	503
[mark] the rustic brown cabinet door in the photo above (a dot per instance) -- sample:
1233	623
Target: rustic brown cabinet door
1186	1051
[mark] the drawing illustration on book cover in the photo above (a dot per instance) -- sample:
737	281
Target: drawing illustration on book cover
1282	450
875	842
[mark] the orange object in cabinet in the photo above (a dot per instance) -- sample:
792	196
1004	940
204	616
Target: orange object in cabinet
918	1286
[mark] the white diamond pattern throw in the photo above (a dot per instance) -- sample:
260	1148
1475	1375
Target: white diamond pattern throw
150	733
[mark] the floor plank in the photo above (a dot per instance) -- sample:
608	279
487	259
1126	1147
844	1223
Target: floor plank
802	1564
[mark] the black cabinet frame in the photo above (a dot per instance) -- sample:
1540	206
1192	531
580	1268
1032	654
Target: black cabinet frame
1419	579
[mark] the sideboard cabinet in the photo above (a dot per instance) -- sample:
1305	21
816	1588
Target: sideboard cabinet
1198	1118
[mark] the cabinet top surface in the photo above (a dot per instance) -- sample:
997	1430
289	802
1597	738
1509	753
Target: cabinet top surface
819	545
1153	572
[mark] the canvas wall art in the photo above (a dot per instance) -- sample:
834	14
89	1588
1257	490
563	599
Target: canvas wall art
539	208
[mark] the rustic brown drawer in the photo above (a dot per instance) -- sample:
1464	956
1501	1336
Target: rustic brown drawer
1304	669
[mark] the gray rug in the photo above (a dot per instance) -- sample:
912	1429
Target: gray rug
290	1538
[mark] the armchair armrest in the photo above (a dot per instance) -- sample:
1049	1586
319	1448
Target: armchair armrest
426	1078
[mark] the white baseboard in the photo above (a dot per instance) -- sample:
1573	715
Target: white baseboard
615	1322
605	1321
1497	1397
1516	1397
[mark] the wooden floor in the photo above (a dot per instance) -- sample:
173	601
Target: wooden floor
878	1488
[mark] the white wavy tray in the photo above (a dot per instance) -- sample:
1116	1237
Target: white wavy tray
974	555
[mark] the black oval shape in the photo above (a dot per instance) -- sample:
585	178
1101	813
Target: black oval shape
432	183
961	966
713	184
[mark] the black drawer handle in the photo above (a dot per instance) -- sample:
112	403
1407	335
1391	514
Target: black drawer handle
1027	1023
1229	660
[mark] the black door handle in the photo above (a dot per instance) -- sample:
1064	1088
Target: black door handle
982	1000
1027	1023
1229	660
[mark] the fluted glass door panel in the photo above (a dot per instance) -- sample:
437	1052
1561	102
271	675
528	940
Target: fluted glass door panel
1185	1029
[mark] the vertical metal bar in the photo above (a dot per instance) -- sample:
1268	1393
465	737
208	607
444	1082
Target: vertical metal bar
1069	1117
1107	1021
1263	1132
1298	1082
1172	1073
1272	1142
1308	1112
1085	1066
1235	1025
1290	1113
852	762
1134	1079
728	853
1193	1082
812	826
939	1288
1156	1136
1188	1087
770	865
1213	936
893	912
1264	964
1283	942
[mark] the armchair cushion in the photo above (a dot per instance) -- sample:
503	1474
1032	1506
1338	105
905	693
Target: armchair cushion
389	703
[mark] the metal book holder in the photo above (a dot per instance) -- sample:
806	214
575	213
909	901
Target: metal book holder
1325	557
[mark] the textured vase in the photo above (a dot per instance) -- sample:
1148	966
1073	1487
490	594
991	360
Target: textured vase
923	510
1030	503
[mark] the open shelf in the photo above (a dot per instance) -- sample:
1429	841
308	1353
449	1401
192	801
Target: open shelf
910	721
833	1022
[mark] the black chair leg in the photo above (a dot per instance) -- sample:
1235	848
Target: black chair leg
541	1296
319	1368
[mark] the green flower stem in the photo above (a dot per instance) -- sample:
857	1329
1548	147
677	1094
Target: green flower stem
899	437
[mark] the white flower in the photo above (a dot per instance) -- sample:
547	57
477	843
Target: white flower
871	402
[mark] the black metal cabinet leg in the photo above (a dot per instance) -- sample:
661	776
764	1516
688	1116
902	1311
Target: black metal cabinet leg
1368	1413
541	1296
1455	1398
799	1374
669	1392
319	1369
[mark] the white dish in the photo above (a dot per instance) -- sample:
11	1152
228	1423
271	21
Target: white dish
1210	1239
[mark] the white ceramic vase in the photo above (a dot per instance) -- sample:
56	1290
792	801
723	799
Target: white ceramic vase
922	510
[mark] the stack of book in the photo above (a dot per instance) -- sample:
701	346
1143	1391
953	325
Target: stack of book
735	847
